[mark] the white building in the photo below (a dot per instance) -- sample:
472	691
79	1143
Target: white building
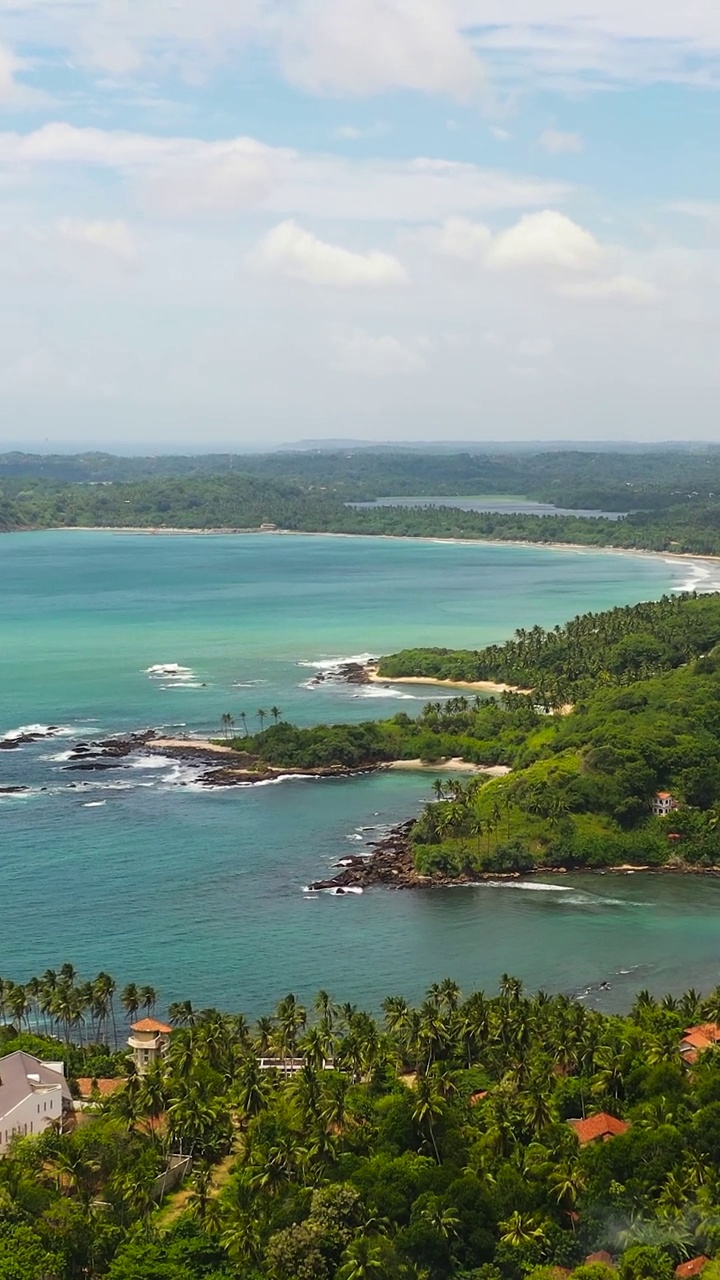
149	1040
663	804
33	1095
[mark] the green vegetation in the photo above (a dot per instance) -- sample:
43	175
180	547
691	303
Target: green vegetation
672	494
617	646
432	1144
645	684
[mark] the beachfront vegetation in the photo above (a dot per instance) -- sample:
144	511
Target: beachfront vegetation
617	647
671	495
433	1143
645	716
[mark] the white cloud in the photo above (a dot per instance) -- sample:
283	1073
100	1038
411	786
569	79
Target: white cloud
372	46
620	288
181	175
547	248
463	239
557	143
291	252
546	239
377	356
499	134
113	238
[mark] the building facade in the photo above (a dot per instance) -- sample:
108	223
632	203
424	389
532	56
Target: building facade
33	1096
149	1040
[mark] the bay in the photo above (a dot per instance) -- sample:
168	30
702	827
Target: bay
199	892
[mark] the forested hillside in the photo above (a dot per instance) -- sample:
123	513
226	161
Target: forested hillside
438	1141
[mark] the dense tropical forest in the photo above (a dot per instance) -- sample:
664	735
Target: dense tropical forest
672	497
609	479
436	1142
642	689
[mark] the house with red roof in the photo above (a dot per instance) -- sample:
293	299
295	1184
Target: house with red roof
663	804
598	1128
697	1039
149	1040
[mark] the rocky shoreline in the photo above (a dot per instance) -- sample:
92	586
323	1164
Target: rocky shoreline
229	768
391	866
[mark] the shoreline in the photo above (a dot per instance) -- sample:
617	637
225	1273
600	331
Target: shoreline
391	865
679	557
484	686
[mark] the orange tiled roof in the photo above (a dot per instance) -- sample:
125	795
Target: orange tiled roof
478	1097
105	1087
663	795
151	1024
602	1255
709	1029
600	1126
687	1270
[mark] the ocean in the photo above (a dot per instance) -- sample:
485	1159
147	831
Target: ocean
139	871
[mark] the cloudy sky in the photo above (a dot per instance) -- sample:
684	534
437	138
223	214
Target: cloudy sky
234	222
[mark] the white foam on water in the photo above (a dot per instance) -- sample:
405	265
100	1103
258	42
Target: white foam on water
703	577
339	892
329	664
355	836
380	691
93	804
38	730
168	670
247	684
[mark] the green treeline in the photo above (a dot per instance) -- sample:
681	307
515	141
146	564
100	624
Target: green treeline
618	645
645	683
216	501
611	480
435	1142
674	521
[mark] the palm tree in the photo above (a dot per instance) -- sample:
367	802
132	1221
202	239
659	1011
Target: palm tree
521	1229
148	998
227	722
276	713
428	1109
261	716
364	1259
243	717
130	1000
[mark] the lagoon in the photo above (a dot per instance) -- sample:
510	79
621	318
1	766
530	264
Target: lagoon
140	872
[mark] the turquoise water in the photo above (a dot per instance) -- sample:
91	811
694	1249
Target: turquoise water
139	871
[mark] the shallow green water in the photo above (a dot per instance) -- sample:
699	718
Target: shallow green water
201	893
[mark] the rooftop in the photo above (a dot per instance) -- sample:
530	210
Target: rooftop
151	1024
21	1074
693	1267
602	1126
89	1086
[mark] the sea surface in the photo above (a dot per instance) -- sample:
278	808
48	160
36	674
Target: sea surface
139	871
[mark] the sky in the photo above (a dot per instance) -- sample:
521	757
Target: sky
240	223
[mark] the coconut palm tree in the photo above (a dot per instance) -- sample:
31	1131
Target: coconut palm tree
227	722
148	998
276	713
261	716
130	1000
364	1259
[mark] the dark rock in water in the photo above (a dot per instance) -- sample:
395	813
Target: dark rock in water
11	791
345	673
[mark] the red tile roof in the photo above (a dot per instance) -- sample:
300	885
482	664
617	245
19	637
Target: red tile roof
478	1097
151	1024
687	1270
602	1126
602	1255
88	1086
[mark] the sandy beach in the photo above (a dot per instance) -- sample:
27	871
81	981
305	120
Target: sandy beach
484	686
455	764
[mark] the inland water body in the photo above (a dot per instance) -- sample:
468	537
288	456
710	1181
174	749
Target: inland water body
140	872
